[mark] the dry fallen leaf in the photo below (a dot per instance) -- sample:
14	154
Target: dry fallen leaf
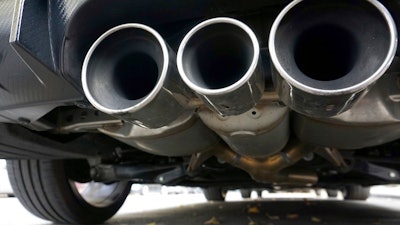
212	221
251	222
308	203
315	219
271	217
253	210
292	216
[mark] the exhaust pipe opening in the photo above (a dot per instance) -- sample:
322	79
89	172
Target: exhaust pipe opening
326	52
217	56
122	68
145	73
219	60
130	72
324	48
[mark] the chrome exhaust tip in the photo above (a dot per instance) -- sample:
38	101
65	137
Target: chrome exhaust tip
219	59
325	57
130	72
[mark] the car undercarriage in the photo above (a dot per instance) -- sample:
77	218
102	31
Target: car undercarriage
213	94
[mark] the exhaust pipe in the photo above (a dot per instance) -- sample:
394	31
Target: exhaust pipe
219	60
130	72
324	55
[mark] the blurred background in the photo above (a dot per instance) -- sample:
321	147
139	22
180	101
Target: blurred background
148	197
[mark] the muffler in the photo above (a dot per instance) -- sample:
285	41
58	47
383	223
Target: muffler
219	60
130	72
327	53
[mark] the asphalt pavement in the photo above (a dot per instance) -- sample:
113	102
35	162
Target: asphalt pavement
306	209
269	213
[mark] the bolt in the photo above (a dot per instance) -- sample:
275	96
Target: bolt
83	115
392	174
24	121
118	152
161	179
94	173
308	157
83	104
398	82
330	107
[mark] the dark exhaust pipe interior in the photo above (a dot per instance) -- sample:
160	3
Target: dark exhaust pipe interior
218	56
146	74
326	52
